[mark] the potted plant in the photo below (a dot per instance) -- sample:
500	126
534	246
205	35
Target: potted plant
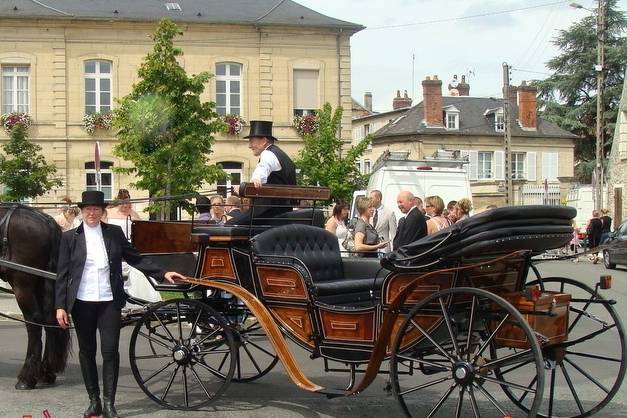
93	121
307	124
233	124
9	120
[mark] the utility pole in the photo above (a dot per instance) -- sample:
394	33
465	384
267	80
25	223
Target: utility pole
509	192
600	69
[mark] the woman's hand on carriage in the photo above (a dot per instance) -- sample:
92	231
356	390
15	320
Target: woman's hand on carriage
171	277
383	244
62	318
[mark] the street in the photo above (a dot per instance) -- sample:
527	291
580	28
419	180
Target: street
273	395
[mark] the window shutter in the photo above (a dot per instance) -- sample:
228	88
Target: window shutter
546	163
306	89
499	165
549	165
530	165
555	166
472	166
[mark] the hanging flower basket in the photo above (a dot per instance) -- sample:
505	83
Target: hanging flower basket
93	121
233	124
307	124
9	120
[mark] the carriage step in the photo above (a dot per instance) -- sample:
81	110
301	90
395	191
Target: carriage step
332	393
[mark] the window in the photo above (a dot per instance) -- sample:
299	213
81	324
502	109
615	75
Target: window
15	80
367	167
484	165
106	178
97	86
518	165
549	166
233	177
228	88
366	130
452	120
499	122
305	92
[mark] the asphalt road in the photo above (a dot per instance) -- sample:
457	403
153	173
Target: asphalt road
272	396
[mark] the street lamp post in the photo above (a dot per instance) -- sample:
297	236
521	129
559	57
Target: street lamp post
600	131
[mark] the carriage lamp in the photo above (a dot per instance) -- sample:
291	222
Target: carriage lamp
605	282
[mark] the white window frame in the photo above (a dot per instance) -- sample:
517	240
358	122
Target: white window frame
499	122
367	167
482	165
97	76
104	172
228	78
10	71
550	166
455	124
519	166
228	182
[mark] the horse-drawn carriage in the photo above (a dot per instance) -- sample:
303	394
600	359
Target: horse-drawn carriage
462	317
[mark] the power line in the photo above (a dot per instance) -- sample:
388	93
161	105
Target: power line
453	19
529	71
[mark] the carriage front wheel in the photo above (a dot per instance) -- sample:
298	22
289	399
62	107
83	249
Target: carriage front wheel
447	349
177	353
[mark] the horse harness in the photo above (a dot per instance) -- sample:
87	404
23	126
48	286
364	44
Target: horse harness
4	230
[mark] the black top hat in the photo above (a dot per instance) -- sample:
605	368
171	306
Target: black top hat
260	129
92	198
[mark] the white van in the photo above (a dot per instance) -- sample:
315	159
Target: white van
444	175
582	199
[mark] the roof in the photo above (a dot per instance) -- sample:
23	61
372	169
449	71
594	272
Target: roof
472	121
388	113
247	12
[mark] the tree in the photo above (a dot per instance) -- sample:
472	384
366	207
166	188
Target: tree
165	130
568	96
323	162
23	171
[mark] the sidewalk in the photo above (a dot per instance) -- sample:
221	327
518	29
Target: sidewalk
8	304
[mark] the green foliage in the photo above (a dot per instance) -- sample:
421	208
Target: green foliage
323	162
165	130
568	97
23	171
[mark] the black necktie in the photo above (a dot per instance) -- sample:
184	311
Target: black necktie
375	218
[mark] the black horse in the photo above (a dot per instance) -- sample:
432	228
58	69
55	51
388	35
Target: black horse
31	238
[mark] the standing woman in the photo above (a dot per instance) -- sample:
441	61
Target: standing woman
594	233
89	286
606	220
435	206
337	224
366	237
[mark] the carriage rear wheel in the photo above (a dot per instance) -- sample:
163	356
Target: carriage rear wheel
453	338
585	373
176	350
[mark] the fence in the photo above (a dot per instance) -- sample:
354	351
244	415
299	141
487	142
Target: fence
540	194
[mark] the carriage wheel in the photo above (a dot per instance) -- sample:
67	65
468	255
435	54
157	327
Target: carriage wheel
451	338
582	377
176	351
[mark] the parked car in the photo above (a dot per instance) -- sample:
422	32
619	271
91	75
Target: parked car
616	253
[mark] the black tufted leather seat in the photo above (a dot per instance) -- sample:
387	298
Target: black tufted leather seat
319	251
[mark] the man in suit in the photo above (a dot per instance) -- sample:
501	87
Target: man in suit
274	167
383	219
232	206
89	285
413	226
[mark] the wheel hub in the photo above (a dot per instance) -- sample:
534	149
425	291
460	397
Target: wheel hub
463	373
181	355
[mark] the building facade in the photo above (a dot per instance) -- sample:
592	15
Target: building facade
61	61
473	127
617	166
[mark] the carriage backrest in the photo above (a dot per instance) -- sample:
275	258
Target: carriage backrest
317	248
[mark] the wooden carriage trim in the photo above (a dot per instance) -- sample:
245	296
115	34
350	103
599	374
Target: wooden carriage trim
389	318
217	263
270	327
285	191
281	283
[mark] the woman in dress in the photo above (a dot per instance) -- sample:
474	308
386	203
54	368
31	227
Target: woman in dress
120	212
366	237
462	209
337	224
594	228
606	220
435	206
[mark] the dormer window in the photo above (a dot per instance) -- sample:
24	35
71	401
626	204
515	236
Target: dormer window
172	6
451	118
499	122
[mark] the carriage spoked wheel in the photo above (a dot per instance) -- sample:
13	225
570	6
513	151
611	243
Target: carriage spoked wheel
176	351
586	372
454	338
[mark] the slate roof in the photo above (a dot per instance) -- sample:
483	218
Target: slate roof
472	121
247	12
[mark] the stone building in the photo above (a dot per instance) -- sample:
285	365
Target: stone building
473	127
617	164
61	60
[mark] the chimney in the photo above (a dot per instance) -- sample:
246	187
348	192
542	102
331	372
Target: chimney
401	102
463	88
527	106
368	101
432	102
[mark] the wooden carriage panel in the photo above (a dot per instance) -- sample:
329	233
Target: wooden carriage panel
217	263
506	276
281	283
296	320
426	287
412	335
348	326
162	237
553	327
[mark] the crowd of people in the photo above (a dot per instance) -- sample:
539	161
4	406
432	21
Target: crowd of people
376	230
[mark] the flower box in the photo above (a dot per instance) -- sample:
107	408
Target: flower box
9	120
93	121
233	124
306	125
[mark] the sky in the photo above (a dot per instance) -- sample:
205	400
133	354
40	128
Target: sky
475	46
